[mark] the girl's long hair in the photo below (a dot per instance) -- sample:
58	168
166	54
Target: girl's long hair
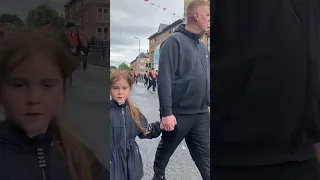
27	43
115	76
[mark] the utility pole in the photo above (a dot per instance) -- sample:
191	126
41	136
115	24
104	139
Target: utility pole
139	44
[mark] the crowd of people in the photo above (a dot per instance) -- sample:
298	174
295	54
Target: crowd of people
183	83
149	78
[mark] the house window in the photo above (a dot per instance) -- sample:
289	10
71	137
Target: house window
102	33
99	34
102	14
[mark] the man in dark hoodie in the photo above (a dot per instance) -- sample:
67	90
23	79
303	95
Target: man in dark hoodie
184	92
265	89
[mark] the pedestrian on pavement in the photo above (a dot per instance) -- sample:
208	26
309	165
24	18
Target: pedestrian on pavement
85	49
152	79
146	78
34	142
134	76
184	92
266	90
127	122
70	39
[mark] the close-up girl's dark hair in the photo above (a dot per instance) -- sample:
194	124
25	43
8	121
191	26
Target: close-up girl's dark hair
24	44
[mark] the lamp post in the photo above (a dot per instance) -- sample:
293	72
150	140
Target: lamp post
139	44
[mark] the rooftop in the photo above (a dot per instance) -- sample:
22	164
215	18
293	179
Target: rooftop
143	55
163	28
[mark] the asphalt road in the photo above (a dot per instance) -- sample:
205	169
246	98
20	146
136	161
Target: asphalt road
88	109
181	166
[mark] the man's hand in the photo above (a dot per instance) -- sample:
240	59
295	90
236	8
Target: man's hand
168	123
209	109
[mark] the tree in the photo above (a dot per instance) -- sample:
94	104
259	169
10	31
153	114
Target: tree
12	19
44	14
124	66
113	67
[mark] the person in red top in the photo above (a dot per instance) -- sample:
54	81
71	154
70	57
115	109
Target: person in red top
152	79
72	37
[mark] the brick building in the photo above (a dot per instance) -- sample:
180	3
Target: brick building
163	33
91	16
141	63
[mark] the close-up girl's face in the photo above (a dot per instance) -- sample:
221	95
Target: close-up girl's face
33	94
120	91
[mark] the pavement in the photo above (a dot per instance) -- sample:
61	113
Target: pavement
95	58
88	110
181	166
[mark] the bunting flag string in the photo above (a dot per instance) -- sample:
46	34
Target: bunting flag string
163	9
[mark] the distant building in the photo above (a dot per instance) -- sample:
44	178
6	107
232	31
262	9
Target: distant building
134	65
141	63
91	16
157	38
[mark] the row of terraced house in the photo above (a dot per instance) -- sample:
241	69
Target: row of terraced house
91	16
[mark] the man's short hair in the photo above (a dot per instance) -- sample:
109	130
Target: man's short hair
193	4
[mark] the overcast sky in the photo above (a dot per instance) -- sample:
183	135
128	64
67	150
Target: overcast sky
137	18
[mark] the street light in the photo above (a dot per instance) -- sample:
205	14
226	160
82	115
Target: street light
139	44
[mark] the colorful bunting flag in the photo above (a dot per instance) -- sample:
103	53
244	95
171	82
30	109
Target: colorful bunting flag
162	8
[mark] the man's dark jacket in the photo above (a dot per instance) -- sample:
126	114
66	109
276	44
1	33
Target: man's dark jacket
265	81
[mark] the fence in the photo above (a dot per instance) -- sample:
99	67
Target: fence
99	53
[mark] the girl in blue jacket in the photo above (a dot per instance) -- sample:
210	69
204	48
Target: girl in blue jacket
127	122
